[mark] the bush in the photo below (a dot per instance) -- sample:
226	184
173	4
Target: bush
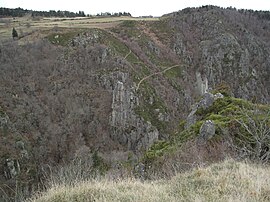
223	88
14	33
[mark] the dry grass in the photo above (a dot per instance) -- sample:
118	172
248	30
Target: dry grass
28	24
227	181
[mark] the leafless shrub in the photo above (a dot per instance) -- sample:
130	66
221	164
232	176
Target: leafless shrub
253	136
75	171
188	156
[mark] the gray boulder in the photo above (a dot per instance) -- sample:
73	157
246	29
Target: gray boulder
207	101
207	131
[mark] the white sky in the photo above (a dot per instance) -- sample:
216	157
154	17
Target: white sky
135	7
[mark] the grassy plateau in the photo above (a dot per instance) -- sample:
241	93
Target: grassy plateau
28	25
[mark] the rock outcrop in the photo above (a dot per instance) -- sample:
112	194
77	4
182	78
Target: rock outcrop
207	131
127	127
205	102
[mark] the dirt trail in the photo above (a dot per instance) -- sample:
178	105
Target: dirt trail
156	73
157	41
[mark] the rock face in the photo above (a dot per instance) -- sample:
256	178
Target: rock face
128	128
207	131
202	84
86	38
230	50
206	102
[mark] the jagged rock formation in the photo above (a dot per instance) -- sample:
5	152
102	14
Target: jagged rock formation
202	85
127	127
232	49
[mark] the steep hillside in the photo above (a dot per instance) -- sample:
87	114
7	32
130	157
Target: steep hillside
110	95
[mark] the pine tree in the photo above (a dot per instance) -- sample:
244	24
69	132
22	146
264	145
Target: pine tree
14	33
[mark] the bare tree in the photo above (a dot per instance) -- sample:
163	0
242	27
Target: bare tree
253	136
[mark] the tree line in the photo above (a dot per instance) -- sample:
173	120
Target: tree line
20	12
114	14
260	14
53	13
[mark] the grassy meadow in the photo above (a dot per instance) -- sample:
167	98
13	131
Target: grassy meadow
28	25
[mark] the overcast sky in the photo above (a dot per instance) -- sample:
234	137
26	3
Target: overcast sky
135	7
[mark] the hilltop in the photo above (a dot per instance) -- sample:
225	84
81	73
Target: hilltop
227	181
132	96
